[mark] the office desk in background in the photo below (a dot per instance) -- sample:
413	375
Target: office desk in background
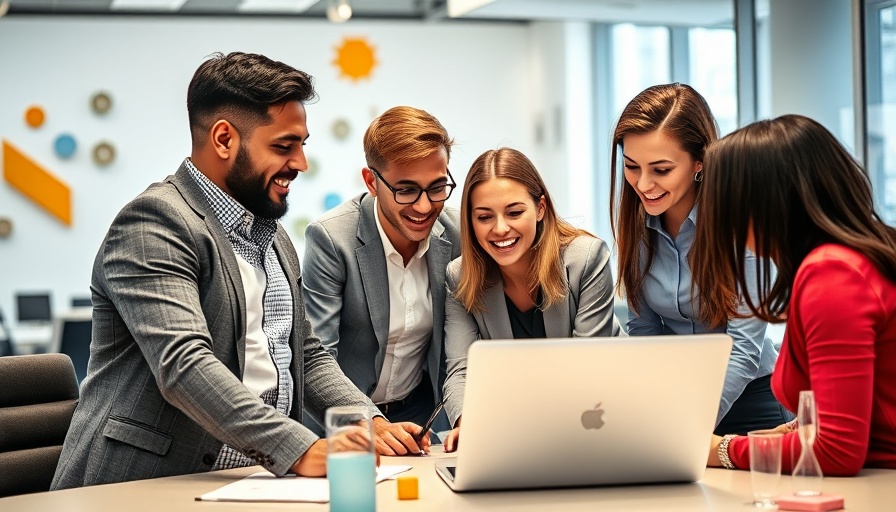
31	339
68	333
719	490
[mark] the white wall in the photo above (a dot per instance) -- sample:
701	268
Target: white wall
475	77
563	109
811	63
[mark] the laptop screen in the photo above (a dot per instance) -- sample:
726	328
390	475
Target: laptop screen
588	411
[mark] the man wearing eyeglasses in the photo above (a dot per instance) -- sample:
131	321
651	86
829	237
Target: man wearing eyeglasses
374	269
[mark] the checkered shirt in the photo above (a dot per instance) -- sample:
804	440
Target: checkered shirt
252	239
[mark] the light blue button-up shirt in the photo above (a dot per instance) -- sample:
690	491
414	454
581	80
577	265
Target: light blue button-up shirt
666	308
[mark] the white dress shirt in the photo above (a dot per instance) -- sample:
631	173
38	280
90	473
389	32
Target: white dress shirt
410	321
259	371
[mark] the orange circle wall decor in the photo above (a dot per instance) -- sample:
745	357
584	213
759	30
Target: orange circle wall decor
35	116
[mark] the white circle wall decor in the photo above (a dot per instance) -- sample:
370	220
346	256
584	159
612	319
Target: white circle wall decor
103	153
101	102
5	227
313	167
341	129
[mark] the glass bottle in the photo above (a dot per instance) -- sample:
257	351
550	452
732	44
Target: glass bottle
807	474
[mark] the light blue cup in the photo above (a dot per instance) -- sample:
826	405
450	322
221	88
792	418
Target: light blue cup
351	460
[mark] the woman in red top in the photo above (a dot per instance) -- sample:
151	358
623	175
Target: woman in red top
787	189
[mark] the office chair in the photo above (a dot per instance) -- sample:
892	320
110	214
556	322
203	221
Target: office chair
71	336
37	400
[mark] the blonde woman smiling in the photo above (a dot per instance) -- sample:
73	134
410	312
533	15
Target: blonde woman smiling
523	272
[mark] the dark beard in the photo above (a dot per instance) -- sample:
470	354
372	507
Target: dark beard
251	190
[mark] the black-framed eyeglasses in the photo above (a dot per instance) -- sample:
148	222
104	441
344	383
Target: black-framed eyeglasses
411	194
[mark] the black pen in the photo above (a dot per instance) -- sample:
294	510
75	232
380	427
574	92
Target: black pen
426	426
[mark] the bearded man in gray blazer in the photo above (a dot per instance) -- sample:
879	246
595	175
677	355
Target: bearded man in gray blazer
202	357
375	267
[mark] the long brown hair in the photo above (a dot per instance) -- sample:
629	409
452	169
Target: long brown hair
679	112
798	187
478	270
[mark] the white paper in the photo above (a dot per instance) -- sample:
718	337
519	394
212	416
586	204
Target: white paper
264	486
389	472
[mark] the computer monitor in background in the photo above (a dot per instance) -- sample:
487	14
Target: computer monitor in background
33	308
82	302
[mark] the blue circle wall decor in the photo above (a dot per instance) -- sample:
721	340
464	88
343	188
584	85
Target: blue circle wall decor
65	146
332	200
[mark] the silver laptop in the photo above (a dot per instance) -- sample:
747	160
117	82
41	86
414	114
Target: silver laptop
587	411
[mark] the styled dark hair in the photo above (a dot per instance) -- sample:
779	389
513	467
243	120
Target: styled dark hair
683	115
791	183
404	134
241	87
478	269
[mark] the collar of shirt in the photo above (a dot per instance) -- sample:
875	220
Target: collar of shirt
231	214
653	222
388	248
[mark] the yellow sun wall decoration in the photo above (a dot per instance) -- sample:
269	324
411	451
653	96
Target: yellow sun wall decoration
355	58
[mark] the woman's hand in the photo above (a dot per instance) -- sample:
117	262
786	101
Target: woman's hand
786	428
713	460
453	438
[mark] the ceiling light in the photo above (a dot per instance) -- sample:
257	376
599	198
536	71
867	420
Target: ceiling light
274	6
146	5
338	11
459	8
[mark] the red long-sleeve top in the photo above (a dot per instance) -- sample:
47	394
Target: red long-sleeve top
840	342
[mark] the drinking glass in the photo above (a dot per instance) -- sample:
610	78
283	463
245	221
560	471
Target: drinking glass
351	460
807	476
765	466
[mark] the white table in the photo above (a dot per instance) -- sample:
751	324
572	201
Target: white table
719	490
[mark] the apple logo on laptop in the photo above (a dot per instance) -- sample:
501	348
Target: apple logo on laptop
593	418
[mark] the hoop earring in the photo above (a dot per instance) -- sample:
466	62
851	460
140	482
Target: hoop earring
698	176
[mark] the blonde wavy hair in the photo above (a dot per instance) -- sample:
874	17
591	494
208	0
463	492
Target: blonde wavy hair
478	270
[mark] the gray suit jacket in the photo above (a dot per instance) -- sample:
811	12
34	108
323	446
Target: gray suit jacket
587	310
347	291
163	387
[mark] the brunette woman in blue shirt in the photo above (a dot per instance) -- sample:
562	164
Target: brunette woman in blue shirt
660	138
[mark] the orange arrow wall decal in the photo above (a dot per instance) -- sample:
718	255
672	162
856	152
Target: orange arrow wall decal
37	184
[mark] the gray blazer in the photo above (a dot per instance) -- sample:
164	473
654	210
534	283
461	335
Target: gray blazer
347	291
163	388
587	310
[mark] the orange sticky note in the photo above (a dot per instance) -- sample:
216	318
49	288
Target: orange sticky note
408	488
